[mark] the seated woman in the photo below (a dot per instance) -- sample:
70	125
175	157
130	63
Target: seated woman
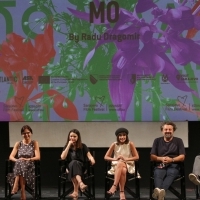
125	154
24	168
76	153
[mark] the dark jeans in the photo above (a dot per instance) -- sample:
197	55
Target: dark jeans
164	177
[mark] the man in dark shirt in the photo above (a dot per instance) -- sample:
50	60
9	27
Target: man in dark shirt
167	151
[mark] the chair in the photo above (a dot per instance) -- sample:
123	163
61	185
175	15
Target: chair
134	178
181	178
8	189
64	183
197	191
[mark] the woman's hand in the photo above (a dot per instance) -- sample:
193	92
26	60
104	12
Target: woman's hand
92	161
120	157
21	158
90	158
71	143
25	159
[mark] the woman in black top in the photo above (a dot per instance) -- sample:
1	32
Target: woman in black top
76	153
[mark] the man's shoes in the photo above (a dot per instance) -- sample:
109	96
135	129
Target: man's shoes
158	194
161	195
194	179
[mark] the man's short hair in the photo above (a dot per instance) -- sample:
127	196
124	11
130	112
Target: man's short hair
168	123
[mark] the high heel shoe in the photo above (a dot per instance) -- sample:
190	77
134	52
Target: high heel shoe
73	196
14	191
82	186
112	193
124	196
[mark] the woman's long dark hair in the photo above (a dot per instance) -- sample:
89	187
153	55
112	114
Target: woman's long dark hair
78	142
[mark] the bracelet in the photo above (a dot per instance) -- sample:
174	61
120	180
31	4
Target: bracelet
173	160
30	159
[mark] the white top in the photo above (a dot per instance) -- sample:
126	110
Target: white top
125	151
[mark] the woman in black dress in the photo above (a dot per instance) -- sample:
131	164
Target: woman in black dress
76	154
27	152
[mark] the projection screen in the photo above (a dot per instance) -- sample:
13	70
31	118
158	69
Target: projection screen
94	134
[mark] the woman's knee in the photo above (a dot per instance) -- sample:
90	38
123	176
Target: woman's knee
120	165
124	170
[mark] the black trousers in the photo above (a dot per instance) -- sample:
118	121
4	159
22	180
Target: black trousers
75	167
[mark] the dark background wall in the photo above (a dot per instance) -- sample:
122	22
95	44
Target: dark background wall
50	156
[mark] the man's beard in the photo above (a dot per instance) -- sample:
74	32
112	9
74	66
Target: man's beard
168	135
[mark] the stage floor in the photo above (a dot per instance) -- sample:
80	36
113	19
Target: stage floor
52	193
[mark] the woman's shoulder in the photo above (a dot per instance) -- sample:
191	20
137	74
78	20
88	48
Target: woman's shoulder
17	144
84	146
131	143
34	142
113	145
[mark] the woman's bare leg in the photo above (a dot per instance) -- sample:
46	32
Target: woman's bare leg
22	185
118	171
15	185
122	182
74	194
81	184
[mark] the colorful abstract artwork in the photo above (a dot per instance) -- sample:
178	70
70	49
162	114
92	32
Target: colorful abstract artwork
92	60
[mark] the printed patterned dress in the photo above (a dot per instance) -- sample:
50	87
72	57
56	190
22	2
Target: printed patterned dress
24	168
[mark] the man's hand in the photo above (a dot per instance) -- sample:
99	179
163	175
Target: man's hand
167	160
